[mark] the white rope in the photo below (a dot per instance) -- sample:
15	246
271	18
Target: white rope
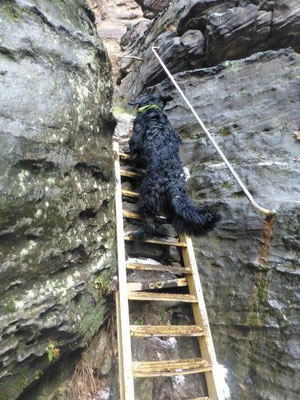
229	166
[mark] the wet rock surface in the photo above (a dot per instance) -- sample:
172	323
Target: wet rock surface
238	63
56	189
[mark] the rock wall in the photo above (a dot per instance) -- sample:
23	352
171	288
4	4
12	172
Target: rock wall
56	190
112	19
194	34
238	62
152	7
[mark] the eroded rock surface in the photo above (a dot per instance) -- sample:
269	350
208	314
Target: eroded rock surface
56	188
193	34
152	7
112	19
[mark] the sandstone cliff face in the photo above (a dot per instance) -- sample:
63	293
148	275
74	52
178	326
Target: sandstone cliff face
239	64
153	7
112	19
56	188
193	34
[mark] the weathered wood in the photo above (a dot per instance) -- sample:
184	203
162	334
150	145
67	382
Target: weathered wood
137	291
129	193
130	174
201	318
120	347
125	341
148	296
155	241
134	215
165	330
143	369
136	286
124	156
200	398
159	267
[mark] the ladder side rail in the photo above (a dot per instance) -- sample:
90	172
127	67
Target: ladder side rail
125	342
120	347
201	318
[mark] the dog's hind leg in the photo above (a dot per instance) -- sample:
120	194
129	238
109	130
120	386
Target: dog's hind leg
149	207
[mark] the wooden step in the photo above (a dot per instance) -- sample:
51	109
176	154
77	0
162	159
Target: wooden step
155	241
130	174
143	369
129	193
134	215
165	330
124	156
148	296
199	398
136	286
159	267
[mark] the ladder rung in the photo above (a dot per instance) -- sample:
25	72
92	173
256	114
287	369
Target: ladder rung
154	241
148	296
124	156
136	286
134	215
143	369
159	267
130	174
165	330
200	398
129	193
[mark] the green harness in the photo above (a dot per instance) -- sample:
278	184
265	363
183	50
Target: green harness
143	109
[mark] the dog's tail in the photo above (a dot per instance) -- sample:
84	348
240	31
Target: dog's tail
188	218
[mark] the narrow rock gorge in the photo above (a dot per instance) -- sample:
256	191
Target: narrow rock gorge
238	62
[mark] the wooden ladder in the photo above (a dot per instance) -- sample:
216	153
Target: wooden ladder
129	370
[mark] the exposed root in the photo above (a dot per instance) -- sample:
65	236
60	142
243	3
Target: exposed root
86	381
82	384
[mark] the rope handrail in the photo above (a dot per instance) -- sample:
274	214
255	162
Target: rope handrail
262	210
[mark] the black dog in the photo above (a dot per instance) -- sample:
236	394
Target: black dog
155	144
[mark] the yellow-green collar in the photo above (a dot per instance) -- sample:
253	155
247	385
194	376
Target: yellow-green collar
143	109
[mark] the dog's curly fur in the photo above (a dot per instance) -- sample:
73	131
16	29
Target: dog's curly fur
156	145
